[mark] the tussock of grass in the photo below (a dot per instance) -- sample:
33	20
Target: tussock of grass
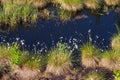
112	2
90	55
59	60
35	61
11	13
71	5
92	4
65	15
111	59
73	2
115	42
22	58
95	76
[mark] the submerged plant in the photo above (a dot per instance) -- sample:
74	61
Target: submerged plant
59	60
95	76
90	55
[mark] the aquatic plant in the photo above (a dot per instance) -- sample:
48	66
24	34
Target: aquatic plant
111	59
112	2
92	4
115	41
90	55
59	60
95	76
71	5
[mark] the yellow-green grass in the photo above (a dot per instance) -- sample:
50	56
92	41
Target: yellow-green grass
71	5
90	55
59	60
115	41
92	4
112	2
95	76
111	59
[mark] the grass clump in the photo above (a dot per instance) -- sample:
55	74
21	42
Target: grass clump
90	55
65	15
22	58
59	60
112	2
111	59
15	54
115	42
40	3
35	61
12	13
71	5
95	76
92	4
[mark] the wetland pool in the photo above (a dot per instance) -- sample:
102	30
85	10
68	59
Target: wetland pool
96	28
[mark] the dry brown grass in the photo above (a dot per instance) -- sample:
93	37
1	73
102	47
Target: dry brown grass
111	60
92	4
25	74
112	2
71	5
90	55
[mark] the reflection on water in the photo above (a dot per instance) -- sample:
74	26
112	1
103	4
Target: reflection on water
75	32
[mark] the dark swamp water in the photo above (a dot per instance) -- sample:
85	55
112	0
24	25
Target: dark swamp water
75	32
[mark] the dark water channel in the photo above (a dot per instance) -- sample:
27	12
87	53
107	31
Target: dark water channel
75	32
